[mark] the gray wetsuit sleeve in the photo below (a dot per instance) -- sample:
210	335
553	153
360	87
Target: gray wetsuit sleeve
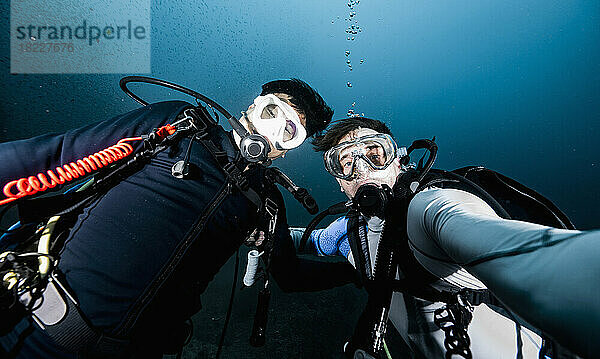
550	277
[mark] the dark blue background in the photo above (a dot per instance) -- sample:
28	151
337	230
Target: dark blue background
512	85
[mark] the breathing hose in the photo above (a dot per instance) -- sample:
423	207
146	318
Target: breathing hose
337	208
299	193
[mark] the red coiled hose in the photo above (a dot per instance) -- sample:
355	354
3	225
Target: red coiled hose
31	185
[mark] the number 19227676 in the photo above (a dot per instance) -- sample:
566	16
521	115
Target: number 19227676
47	47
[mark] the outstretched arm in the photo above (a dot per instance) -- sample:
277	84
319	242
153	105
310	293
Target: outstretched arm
550	277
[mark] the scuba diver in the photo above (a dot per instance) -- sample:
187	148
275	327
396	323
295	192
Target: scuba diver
122	270
453	259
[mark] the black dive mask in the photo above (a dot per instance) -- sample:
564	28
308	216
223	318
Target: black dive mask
371	200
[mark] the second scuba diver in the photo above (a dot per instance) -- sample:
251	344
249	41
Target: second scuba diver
136	248
449	245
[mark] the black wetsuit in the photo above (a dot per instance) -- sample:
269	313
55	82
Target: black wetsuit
138	258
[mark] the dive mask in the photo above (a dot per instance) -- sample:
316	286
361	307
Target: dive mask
277	121
377	151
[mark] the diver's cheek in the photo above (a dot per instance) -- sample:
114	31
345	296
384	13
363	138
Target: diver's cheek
381	177
274	153
349	188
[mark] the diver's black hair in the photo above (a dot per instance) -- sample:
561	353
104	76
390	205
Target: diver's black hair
340	128
305	99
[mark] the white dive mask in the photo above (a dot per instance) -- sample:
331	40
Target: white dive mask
277	121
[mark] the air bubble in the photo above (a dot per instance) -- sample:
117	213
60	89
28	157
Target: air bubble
348	84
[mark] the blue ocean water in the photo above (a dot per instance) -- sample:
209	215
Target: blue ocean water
512	85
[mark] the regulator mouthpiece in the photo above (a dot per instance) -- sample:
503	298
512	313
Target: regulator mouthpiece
371	199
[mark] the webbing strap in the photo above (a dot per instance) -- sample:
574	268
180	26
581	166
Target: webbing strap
231	168
356	239
60	317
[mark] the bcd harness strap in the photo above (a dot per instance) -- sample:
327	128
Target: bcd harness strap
60	317
233	169
58	313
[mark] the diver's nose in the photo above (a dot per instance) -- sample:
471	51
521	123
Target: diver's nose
361	168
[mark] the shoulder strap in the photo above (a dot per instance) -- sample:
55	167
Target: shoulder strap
446	179
522	202
233	169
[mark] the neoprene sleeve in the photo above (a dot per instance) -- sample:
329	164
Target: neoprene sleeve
550	277
30	156
303	272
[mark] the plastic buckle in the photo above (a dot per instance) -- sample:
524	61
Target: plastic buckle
272	210
148	140
235	174
473	298
200	135
191	115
